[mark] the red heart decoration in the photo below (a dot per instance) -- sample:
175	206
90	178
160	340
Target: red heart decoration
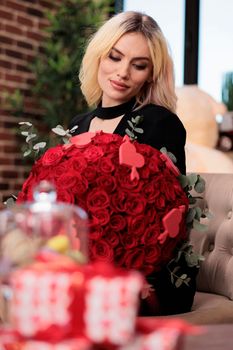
171	223
129	156
82	139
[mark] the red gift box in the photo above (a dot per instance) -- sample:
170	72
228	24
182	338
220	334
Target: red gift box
58	299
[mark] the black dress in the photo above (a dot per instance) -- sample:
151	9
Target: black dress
162	128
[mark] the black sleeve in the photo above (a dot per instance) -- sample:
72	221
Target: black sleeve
162	128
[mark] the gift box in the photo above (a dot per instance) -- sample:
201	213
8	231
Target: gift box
55	300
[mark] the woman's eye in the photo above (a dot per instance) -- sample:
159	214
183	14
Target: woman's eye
114	58
140	66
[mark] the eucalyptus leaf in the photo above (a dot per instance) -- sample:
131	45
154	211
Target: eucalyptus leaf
200	185
187	280
139	130
9	203
26	153
74	128
198	213
183	180
138	119
24	133
39	145
130	124
175	269
172	157
178	282
163	150
59	130
199	226
192	178
25	123
191	215
30	137
192	200
207	214
129	133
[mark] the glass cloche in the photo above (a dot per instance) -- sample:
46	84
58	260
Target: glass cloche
34	230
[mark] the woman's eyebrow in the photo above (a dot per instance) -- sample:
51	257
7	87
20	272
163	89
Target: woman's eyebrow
135	58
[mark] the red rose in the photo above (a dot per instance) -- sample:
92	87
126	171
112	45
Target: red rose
144	172
89	173
137	224
105	138
106	182
134	258
151	234
81	186
126	183
73	151
105	165
135	204
151	190
53	156
152	254
93	153
97	199
60	169
79	163
101	250
119	201
112	238
129	240
95	232
117	222
101	216
67	180
65	196
146	151
155	164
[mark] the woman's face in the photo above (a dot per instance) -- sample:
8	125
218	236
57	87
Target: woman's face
125	70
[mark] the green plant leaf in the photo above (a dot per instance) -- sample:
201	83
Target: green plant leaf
183	180
200	185
191	215
139	130
199	226
192	178
26	153
59	130
39	145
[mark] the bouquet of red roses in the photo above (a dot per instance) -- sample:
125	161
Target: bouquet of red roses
135	203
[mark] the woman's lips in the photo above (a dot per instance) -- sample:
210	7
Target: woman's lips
118	86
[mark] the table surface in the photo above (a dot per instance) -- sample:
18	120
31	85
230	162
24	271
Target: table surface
213	337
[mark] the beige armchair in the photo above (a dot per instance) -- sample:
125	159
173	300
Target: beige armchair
214	297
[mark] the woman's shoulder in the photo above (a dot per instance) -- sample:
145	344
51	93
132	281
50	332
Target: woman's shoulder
160	117
158	112
79	119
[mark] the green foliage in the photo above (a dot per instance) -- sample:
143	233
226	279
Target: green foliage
34	147
133	124
56	88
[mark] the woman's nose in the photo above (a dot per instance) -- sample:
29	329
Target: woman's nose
123	71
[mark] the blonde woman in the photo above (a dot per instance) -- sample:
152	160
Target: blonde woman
127	71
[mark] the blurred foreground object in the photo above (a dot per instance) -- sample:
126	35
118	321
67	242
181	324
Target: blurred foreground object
198	112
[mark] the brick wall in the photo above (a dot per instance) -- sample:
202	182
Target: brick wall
21	38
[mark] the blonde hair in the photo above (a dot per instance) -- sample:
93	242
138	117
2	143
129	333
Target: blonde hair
161	90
